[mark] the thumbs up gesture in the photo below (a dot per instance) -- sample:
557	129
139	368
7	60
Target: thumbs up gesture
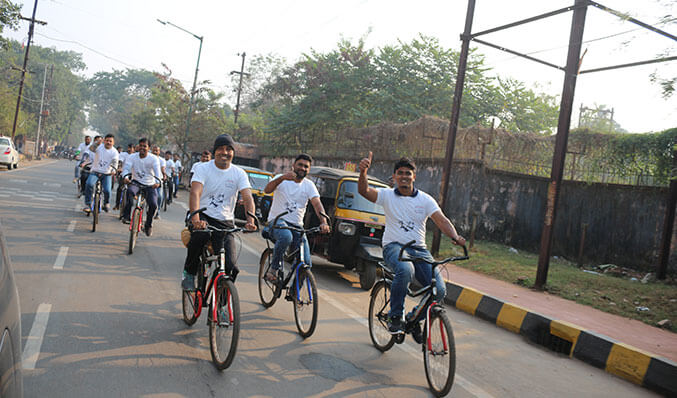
365	163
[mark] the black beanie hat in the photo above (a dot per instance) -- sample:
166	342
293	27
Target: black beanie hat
223	139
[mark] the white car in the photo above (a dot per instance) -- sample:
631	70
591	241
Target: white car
8	154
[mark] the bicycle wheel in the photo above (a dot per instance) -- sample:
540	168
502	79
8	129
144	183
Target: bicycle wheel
224	331
378	317
439	354
123	202
134	229
191	303
305	303
95	209
268	292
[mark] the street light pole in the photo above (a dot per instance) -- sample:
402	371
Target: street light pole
239	87
192	91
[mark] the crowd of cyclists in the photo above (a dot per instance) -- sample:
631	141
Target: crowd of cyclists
215	185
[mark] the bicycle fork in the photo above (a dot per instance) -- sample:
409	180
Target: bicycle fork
212	295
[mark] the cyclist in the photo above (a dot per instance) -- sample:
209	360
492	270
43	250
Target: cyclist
215	185
86	159
105	159
123	158
163	164
144	167
178	169
169	169
407	210
78	156
206	156
292	193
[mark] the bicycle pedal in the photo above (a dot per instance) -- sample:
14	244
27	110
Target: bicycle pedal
399	337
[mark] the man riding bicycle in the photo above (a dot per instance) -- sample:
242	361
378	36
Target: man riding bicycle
163	165
406	209
292	193
178	169
145	168
105	160
78	156
215	185
123	158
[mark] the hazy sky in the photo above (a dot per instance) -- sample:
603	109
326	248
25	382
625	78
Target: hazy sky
125	34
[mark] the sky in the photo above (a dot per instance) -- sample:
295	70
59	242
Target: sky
124	34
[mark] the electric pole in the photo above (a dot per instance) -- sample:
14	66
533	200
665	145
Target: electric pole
23	70
239	88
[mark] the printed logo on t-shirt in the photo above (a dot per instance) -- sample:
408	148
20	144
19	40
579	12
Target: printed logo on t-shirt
291	206
216	200
140	174
419	209
406	226
102	163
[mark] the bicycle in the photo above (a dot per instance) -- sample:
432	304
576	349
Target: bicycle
222	299
165	198
299	283
82	180
436	337
136	220
123	197
95	205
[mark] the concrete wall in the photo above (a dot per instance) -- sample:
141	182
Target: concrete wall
624	223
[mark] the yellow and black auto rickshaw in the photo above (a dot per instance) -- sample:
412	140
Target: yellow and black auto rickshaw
258	179
357	224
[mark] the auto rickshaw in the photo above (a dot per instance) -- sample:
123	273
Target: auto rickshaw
357	224
258	179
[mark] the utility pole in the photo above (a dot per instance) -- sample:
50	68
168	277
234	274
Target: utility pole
239	87
455	114
563	124
23	70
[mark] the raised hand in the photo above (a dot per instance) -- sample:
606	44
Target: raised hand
365	163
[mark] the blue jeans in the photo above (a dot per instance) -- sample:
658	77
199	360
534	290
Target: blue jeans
105	184
159	195
176	184
283	239
405	271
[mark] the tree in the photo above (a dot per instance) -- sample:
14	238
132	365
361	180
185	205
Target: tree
9	18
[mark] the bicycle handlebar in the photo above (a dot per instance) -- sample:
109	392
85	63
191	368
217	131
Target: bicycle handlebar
226	230
302	230
446	260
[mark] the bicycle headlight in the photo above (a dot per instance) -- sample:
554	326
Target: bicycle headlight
347	228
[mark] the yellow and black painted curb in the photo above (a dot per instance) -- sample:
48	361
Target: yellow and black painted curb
648	370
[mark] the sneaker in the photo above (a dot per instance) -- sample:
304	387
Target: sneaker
188	281
148	230
417	333
87	210
270	276
157	217
75	180
126	220
395	325
106	207
116	207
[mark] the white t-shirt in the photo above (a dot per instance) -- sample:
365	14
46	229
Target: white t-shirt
123	157
143	169
169	167
405	216
163	162
177	166
82	148
292	197
192	169
87	156
105	160
220	189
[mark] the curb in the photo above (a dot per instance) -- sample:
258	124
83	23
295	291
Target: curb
640	367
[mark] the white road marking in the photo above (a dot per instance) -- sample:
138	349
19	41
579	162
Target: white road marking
185	206
77	207
61	258
44	199
51	184
29	167
35	337
24	195
71	226
3	195
414	352
251	250
19	181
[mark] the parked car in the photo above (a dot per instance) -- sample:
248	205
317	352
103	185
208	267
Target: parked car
9	156
357	224
11	380
258	179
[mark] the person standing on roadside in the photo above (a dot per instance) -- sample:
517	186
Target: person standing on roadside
406	209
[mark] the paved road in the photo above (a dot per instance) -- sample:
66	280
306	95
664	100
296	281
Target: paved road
98	322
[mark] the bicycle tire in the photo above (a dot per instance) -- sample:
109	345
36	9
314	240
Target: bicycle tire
439	353
134	230
95	210
305	303
191	301
378	317
123	202
224	332
268	292
164	202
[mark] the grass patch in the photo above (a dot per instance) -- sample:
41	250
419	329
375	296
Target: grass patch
610	294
